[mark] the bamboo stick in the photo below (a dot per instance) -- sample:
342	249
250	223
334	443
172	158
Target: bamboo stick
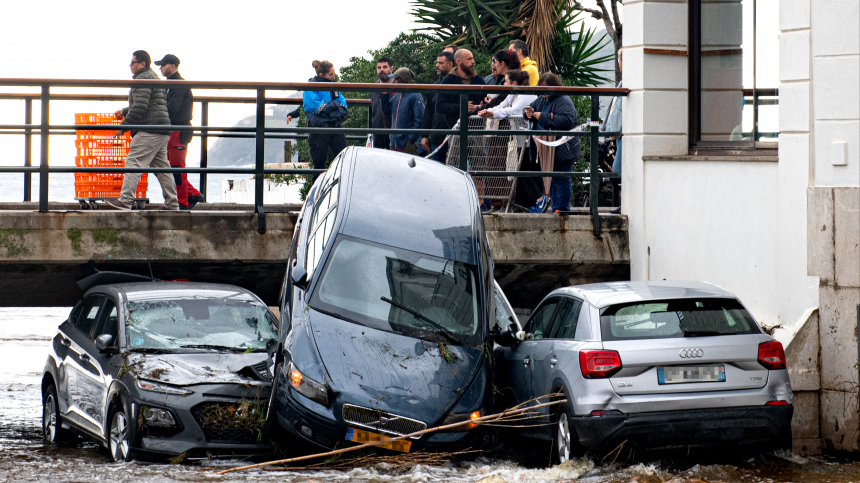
478	421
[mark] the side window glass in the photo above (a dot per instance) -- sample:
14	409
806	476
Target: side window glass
539	325
565	327
319	240
503	317
89	314
108	324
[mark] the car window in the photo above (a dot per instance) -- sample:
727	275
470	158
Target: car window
188	319
400	291
665	319
565	322
108	323
540	323
317	243
89	314
504	317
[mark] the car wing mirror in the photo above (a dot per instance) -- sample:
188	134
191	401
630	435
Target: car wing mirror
509	336
104	343
300	277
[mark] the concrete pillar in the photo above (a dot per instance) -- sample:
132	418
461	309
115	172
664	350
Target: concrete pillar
655	113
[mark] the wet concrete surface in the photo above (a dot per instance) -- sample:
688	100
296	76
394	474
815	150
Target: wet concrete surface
24	338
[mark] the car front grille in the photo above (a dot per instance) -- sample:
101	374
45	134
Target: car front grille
381	421
223	423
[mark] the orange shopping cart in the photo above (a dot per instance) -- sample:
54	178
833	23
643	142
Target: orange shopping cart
99	148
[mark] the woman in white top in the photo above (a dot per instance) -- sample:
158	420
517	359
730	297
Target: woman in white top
513	103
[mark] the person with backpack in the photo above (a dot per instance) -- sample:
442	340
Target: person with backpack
323	108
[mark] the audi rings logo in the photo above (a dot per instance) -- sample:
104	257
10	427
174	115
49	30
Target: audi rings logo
691	353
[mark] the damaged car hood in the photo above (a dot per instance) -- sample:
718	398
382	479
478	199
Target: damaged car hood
392	372
199	368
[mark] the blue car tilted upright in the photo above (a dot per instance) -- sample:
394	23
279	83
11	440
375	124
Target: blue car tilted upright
386	306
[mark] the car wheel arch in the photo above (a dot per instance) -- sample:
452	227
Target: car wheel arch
560	385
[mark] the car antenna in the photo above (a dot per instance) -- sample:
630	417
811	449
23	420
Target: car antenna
412	163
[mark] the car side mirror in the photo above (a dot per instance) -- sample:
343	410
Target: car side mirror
300	277
509	336
104	343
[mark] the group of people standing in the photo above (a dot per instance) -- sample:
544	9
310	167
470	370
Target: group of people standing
157	148
402	110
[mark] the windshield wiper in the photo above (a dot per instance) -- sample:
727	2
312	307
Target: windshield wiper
447	333
215	347
701	333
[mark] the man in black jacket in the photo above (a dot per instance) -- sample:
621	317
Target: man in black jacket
378	101
448	105
433	119
180	101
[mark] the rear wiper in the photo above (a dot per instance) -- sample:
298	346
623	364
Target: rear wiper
214	347
447	333
701	333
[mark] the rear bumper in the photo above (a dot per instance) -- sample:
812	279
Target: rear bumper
698	427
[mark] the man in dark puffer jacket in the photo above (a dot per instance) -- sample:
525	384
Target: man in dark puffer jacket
146	106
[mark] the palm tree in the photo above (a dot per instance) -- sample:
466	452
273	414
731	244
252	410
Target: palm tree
547	26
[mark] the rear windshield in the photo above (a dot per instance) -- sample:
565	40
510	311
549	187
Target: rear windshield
668	319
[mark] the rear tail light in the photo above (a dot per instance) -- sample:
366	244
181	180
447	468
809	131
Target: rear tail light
771	355
776	403
599	364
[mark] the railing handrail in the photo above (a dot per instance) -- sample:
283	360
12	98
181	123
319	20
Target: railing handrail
317	86
8	96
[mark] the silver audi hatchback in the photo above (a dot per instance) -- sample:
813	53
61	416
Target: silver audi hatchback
655	364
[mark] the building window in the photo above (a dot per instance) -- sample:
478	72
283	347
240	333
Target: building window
734	73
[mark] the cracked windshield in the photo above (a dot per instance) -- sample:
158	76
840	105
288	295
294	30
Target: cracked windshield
197	319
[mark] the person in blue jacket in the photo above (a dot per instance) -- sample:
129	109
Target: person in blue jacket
554	113
323	109
406	112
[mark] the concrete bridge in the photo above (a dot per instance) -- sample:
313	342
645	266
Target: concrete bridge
43	254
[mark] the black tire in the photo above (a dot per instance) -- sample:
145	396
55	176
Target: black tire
565	442
120	433
272	429
52	423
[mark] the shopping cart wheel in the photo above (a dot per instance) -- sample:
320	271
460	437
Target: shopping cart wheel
141	205
94	205
84	205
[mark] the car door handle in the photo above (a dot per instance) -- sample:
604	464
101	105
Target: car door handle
553	361
85	358
526	361
66	342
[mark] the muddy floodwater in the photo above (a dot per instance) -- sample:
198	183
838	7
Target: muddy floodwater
24	339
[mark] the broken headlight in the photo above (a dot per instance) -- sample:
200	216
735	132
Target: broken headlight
306	386
454	418
153	386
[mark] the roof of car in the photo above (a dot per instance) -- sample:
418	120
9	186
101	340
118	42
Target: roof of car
612	293
139	287
423	206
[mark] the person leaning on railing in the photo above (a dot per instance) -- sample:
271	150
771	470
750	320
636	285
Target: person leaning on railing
512	103
323	109
553	112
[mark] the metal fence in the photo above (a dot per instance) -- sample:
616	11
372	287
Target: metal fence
481	168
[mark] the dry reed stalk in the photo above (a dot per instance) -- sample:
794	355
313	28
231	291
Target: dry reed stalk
515	411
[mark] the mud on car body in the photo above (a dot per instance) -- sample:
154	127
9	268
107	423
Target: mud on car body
386	305
160	369
656	364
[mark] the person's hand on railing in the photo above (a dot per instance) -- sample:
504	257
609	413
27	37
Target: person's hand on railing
486	114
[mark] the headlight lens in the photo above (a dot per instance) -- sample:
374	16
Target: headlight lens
153	386
306	386
157	417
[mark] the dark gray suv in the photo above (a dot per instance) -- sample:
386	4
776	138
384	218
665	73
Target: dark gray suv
161	369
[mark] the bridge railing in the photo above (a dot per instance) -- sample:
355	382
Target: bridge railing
260	132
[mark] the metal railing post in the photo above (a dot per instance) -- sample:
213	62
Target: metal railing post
594	179
204	146
28	149
464	129
43	156
260	159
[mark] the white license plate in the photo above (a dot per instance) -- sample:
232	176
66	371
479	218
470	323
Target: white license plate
691	374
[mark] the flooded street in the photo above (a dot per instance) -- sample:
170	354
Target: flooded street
24	338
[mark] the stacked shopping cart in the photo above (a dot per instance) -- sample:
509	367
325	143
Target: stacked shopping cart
99	148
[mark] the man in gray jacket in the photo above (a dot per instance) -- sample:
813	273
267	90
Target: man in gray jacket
146	106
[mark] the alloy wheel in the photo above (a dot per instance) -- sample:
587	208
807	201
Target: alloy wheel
49	419
119	437
563	438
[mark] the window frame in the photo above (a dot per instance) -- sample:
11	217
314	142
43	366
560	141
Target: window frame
694	77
